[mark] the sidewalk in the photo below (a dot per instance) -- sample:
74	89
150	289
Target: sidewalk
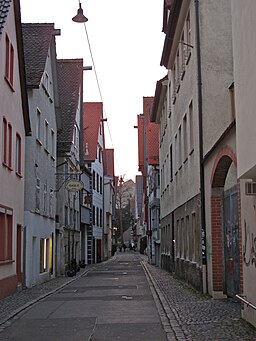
199	316
12	305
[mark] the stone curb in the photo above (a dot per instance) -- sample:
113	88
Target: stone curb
176	332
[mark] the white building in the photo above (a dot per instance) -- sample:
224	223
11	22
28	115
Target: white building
244	54
40	196
93	158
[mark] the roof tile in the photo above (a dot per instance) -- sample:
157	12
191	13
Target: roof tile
36	40
4	8
70	78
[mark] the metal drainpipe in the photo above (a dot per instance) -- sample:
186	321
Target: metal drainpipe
201	155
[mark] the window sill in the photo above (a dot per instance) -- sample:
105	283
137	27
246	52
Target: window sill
191	152
6	262
46	150
19	175
10	84
53	158
5	165
39	141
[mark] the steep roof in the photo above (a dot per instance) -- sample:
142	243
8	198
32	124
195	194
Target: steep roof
36	39
152	144
109	162
92	113
70	78
4	8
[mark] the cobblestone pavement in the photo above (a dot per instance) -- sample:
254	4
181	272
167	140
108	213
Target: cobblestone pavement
200	317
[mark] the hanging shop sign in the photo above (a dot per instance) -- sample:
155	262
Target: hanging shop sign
74	185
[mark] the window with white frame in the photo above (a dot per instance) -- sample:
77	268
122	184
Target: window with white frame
185	139
52	143
37	201
38	125
46	135
191	128
45	198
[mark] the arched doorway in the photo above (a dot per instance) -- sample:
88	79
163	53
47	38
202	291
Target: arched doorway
225	225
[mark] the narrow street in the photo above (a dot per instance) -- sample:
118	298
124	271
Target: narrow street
125	299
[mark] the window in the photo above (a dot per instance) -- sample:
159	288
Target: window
18	155
52	143
86	148
37	208
185	139
45	198
100	217
93	215
4	142
171	164
97	182
75	136
100	185
5	233
38	125
232	100
46	137
188	37
9	61
51	213
9	145
179	148
93	180
44	254
97	216
191	128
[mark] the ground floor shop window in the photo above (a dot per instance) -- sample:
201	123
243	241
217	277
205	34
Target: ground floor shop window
44	255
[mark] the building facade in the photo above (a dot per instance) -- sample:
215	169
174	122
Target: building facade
93	158
193	108
69	151
40	166
15	125
244	53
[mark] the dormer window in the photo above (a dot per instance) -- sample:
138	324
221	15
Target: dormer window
86	148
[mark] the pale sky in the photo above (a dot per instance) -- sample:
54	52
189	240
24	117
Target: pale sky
126	41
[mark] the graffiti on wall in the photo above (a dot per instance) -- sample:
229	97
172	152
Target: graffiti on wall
249	246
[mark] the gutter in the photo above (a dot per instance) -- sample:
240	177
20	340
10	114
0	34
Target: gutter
201	153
